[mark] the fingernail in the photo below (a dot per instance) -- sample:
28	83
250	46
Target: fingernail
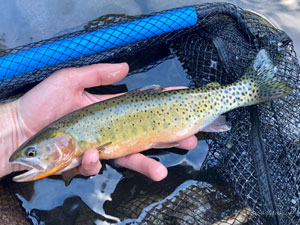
161	173
94	161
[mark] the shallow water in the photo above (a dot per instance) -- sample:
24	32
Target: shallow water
25	21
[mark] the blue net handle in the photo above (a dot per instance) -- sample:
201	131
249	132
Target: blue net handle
27	61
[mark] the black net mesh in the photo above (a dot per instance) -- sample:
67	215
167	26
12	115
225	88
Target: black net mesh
259	157
11	212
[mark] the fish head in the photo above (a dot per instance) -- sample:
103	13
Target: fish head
46	153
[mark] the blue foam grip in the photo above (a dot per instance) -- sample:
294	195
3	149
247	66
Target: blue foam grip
71	48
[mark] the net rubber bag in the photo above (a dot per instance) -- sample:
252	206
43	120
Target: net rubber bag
259	157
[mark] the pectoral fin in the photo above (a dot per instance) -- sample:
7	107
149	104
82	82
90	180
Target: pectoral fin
165	145
102	147
218	125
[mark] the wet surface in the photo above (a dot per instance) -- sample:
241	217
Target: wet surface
26	21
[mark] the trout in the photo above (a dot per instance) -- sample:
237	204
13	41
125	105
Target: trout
144	118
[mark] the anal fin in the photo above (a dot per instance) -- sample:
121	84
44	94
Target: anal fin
165	145
218	125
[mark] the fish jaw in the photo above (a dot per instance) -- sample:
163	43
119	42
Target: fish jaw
36	173
27	176
37	168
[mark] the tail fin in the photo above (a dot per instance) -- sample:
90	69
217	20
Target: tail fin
262	76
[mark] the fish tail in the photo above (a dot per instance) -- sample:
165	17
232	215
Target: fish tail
260	83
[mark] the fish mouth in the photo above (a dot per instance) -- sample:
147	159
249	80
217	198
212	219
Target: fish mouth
36	171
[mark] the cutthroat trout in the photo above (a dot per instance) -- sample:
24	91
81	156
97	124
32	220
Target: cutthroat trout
143	119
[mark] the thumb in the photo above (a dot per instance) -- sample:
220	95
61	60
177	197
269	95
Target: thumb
90	164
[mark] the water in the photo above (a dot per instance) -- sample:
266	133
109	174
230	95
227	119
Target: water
25	21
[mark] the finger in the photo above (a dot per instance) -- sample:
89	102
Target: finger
92	98
144	165
188	143
92	75
95	98
90	164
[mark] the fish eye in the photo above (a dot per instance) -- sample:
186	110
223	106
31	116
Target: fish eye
30	152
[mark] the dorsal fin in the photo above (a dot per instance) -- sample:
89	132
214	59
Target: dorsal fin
149	89
211	85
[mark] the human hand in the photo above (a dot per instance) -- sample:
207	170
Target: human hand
60	94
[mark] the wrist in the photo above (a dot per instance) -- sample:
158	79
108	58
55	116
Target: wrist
13	133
